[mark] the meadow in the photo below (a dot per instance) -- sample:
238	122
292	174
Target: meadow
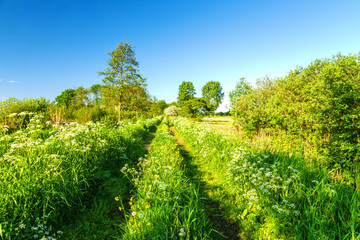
163	178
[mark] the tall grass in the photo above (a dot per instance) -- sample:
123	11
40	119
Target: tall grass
47	173
166	204
274	196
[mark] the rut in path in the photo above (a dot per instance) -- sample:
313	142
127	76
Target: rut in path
101	217
226	227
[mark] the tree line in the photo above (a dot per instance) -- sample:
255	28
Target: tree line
122	95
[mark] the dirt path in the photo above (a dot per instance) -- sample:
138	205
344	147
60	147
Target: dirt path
225	226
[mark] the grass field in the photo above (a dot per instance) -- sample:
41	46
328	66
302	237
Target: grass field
185	180
224	124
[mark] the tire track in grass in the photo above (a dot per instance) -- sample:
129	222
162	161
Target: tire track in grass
100	218
225	226
166	204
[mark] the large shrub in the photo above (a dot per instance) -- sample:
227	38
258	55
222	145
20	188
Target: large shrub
13	105
316	107
172	111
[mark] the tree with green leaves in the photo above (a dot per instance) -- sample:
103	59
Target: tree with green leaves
212	93
122	72
95	94
196	107
186	92
138	97
157	107
81	98
242	87
66	97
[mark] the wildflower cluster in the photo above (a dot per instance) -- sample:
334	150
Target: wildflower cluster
47	169
256	176
277	196
38	230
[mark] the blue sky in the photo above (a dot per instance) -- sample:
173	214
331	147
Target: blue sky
49	46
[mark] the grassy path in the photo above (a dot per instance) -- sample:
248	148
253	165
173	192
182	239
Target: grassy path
210	190
101	218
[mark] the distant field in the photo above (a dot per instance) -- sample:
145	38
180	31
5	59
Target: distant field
218	123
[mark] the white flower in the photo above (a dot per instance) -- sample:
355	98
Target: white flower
133	213
141	215
182	233
22	225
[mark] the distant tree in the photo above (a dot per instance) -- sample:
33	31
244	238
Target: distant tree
186	92
66	98
122	72
212	93
242	87
95	94
196	107
138	98
173	104
157	107
81	97
162	105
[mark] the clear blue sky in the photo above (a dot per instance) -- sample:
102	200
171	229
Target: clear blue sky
49	46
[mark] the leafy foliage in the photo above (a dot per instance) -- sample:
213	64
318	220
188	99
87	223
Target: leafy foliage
66	97
186	92
196	107
121	76
242	87
212	93
317	107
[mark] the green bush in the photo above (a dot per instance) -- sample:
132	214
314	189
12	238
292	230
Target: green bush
27	105
316	107
271	195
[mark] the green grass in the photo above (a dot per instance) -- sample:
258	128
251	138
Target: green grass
224	124
271	195
213	184
166	204
49	175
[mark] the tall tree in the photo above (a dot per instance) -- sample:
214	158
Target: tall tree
186	92
95	94
196	107
81	98
212	93
138	98
242	87
121	74
66	98
157	107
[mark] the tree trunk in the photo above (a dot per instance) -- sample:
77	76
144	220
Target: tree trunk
119	119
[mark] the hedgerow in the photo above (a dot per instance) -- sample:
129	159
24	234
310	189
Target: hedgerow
316	108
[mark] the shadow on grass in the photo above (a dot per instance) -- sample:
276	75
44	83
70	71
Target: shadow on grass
225	228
